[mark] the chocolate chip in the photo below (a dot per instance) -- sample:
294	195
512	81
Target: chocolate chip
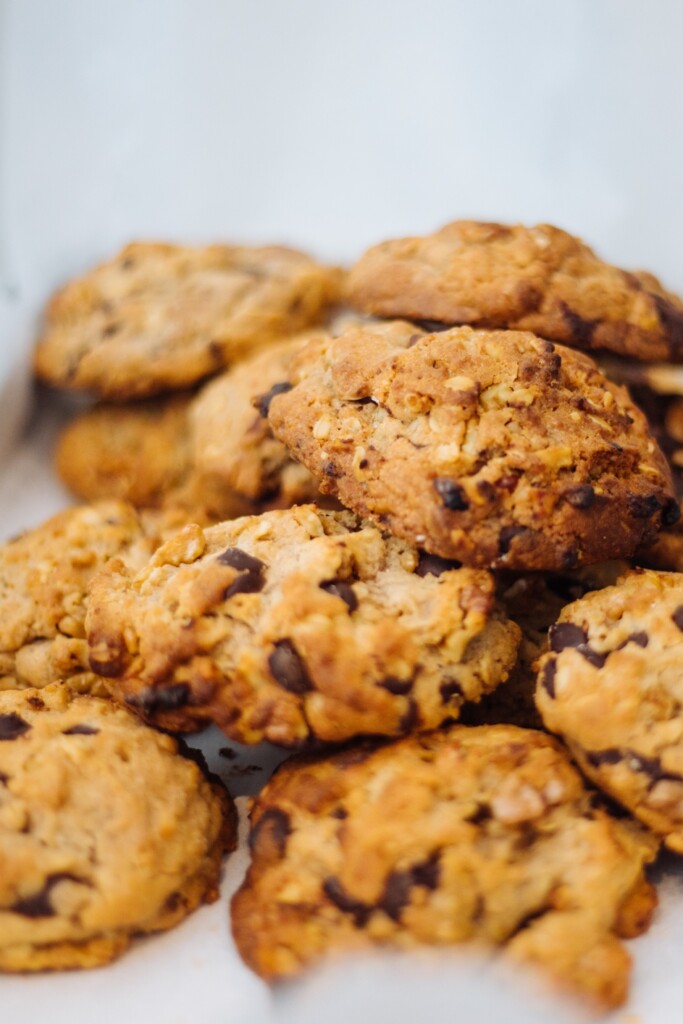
581	330
340	813
165	698
482	814
548	681
651	766
238	559
246	583
569	558
40	905
337	894
641	639
36	702
173	902
411	719
671	513
262	403
433	565
452	494
12	727
4	779
677	617
507	535
642	506
567	634
339	588
330	469
582	496
671	319
114	656
399	884
450	688
288	669
272	830
487	490
608	756
398	686
80	730
433	326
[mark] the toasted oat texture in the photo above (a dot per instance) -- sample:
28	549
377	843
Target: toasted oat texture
142	453
611	687
496	448
467	834
44	574
294	625
106	831
537	279
232	445
160	317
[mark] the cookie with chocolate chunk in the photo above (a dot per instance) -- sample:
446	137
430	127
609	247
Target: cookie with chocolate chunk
539	279
106	831
161	317
297	625
611	685
468	834
495	448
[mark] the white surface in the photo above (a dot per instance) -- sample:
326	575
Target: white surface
193	974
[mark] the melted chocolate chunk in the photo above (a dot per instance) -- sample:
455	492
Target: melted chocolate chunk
273	828
246	583
433	326
581	330
677	617
641	639
398	686
433	565
340	813
582	496
343	900
411	719
671	513
569	558
288	669
567	634
450	688
262	403
452	494
166	698
482	814
4	779
339	588
548	681
608	756
507	535
115	657
399	884
80	730
642	506
12	727
671	319
36	702
40	905
238	559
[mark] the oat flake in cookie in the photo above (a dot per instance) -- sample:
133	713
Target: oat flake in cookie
612	687
160	317
297	625
481	834
539	279
106	831
496	448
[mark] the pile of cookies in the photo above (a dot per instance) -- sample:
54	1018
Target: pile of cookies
397	519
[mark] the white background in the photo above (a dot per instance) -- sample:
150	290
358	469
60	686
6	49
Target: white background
329	124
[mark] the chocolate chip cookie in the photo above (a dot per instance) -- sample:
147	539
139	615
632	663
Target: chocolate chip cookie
44	574
610	686
296	625
160	317
106	831
481	834
537	279
495	448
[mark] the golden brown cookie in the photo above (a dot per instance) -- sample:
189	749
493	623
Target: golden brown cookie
495	448
611	687
537	279
106	831
44	575
160	317
297	625
466	834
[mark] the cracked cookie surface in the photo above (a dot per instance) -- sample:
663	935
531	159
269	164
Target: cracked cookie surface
495	448
538	279
296	625
612	687
106	831
160	317
472	834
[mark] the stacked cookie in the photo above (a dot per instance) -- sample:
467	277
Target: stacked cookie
474	489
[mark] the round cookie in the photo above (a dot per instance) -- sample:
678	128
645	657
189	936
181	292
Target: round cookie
495	448
44	576
160	317
537	279
232	445
297	625
469	834
611	686
106	831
